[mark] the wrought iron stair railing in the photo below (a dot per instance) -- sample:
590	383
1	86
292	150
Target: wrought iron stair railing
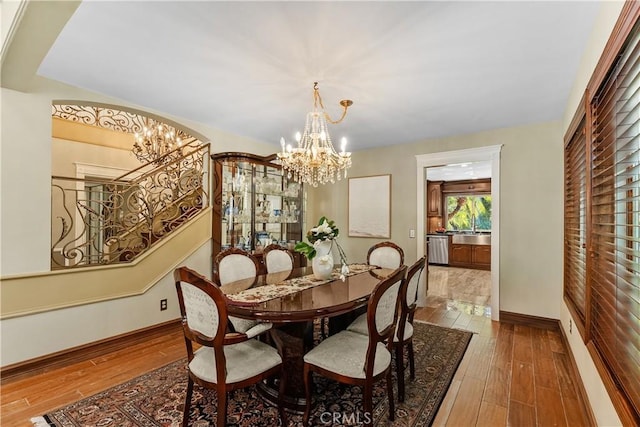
109	221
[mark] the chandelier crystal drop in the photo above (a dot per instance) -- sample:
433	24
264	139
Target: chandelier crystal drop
315	161
154	142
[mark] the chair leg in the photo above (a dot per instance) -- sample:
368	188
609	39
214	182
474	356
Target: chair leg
392	405
307	394
412	364
281	391
222	406
187	403
367	403
400	370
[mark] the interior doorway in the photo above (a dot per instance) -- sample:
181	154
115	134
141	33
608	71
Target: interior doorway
490	154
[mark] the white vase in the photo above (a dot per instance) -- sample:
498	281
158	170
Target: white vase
322	263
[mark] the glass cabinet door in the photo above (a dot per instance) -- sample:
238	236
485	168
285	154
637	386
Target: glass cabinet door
236	204
254	204
277	208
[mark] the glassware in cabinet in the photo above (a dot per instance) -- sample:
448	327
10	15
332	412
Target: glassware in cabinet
255	204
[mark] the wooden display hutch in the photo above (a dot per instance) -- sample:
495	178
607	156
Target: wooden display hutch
255	204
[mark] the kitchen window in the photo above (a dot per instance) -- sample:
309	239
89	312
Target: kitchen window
468	212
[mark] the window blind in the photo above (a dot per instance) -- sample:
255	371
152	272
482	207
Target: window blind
575	184
614	265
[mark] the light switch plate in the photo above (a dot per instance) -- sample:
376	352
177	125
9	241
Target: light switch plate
412	234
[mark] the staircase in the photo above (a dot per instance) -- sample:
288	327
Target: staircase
111	221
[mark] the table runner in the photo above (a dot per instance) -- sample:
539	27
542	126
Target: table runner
276	290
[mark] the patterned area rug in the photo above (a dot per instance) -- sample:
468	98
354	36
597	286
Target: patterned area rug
157	398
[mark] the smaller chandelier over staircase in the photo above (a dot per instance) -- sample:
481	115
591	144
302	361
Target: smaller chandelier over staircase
315	161
155	141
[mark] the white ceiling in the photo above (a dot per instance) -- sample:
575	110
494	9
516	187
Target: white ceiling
414	70
458	171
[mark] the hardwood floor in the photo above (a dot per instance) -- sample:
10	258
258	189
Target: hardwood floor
511	375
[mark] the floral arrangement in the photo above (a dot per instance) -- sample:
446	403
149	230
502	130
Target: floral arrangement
325	230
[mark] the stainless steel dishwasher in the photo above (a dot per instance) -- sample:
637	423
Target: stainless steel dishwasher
438	249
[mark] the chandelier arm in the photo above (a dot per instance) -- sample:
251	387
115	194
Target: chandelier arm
317	101
335	122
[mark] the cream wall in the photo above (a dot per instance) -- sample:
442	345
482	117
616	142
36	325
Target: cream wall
531	208
598	398
66	154
27	337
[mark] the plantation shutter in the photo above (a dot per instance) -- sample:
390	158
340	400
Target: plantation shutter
575	185
615	220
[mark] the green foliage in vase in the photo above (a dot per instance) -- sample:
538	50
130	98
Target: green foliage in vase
325	230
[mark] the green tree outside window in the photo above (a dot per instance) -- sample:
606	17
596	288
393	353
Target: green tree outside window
468	212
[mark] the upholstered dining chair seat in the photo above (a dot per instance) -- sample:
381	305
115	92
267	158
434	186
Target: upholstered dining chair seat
250	328
344	354
244	360
360	326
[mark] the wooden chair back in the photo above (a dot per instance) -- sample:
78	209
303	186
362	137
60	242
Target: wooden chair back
203	309
382	314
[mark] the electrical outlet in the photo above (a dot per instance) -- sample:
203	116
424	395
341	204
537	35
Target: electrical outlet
412	234
570	326
163	304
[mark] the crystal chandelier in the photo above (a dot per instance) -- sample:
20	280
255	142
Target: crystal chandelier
315	161
154	142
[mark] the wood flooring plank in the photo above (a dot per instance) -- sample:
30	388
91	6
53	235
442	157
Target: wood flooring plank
503	353
444	411
492	415
565	375
467	405
574	412
522	383
497	387
545	373
555	342
540	342
478	324
549	408
483	355
521	415
469	358
522	350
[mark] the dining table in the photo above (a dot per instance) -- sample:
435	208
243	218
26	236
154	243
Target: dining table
293	300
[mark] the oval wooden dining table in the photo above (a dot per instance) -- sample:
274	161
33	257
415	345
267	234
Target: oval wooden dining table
285	300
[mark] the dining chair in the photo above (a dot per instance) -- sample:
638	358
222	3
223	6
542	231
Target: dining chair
235	264
404	330
386	255
357	359
224	361
276	259
408	304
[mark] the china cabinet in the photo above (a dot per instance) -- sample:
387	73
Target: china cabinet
255	204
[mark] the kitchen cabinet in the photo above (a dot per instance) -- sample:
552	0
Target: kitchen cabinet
460	255
255	204
434	198
476	186
470	256
481	255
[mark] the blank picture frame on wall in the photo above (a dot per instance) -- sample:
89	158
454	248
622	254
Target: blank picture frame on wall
370	206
